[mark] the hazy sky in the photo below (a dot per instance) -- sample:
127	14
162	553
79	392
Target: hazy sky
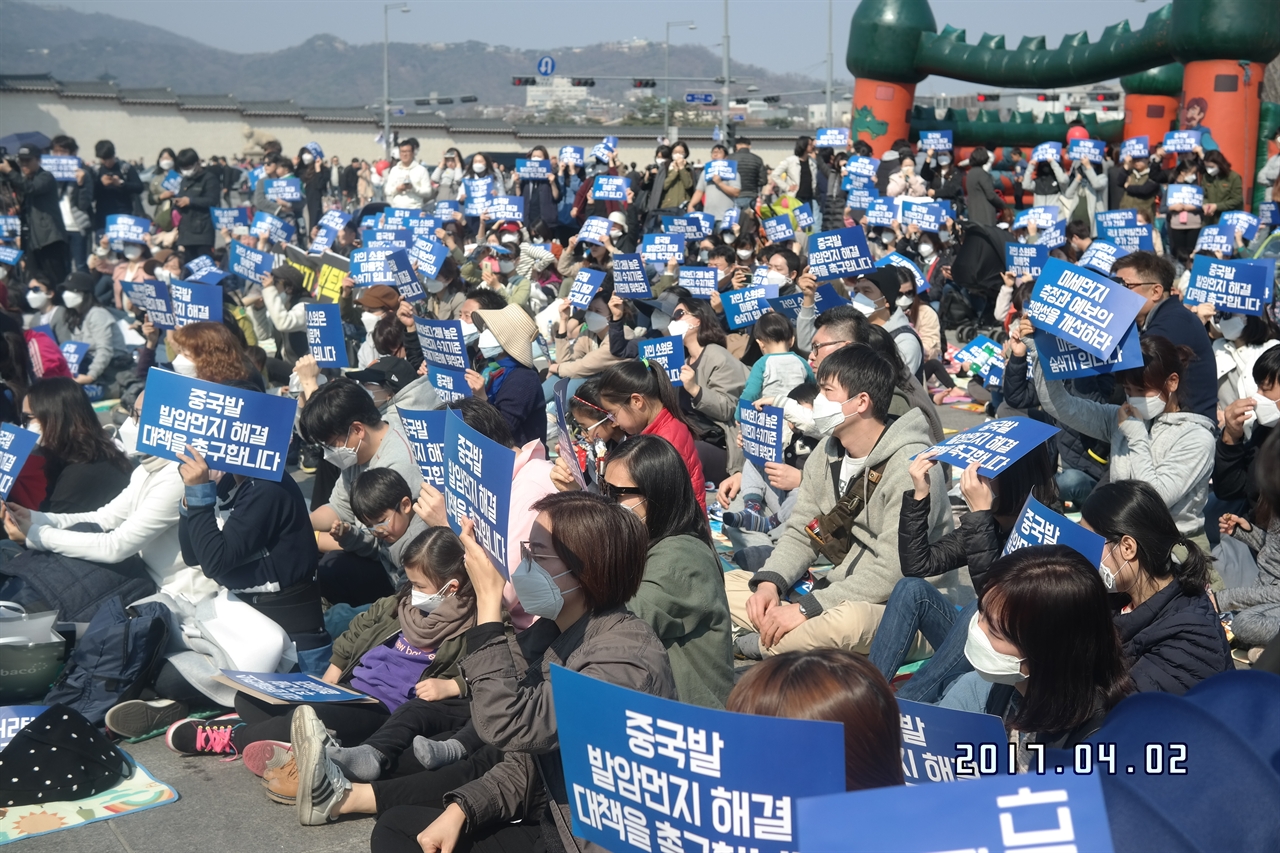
782	35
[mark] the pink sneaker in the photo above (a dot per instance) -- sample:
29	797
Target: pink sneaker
263	755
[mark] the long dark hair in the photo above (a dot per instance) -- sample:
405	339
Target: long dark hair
437	553
1051	603
709	330
1033	474
619	382
659	472
69	429
1134	508
1161	359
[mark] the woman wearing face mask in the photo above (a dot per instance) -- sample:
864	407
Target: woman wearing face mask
89	322
581	580
446	292
944	180
712	384
314	174
286	299
1047	656
47	310
200	191
504	374
481	179
1152	439
682	596
1223	189
448	175
541	198
1169	626
160	198
1244	338
581	345
135	255
82	465
906	182
210	352
1185	220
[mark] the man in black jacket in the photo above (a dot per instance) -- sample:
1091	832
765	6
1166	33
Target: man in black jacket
349	184
115	185
752	173
199	192
43	233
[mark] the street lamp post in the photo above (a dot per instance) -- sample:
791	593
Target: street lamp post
386	75
830	114
724	90
666	72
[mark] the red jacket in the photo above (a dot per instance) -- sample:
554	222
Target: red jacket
666	426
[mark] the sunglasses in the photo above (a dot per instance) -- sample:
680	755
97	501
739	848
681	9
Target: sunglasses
678	314
617	493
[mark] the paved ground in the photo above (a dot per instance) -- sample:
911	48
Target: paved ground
222	806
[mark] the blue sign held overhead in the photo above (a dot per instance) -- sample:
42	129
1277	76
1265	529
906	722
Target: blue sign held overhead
505	208
1245	224
594	230
730	218
572	154
10	227
195	303
863	168
1082	307
831	137
1136	147
777	229
1046	151
893	259
325	340
385	238
273	228
761	432
1044	217
744	306
151	296
668	351
1101	256
443	343
283	189
1039	525
1269	213
249	263
1236	287
1093	150
699	281
585	286
127	229
1216	238
425	431
630	281
937	140
445	209
428	255
788	306
839	254
1181	141
1025	259
478	474
1062	360
200	265
546	66
1054	236
661	248
994	445
610	188
16	445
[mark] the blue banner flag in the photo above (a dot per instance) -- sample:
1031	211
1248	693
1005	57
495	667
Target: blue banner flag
505	208
668	351
425	431
1122	228
831	137
1093	150
1245	224
195	303
289	688
283	189
925	216
699	281
610	188
16	445
63	168
1046	151
630	281
478	474
594	230
761	432
74	352
1181	141
1184	194
689	227
428	256
778	229
804	216
479	191
1025	258
881	212
386	238
646	773
1137	147
1062	360
237	431
744	306
1082	307
572	154
996	813
443	343
450	385
10	256
725	170
151	296
1216	238
533	170
585	286
945	744
564	443
1101	256
249	263
862	168
445	209
324	335
994	445
1236	287
938	140
226	218
1039	525
272	227
127	229
839	254
660	248
893	259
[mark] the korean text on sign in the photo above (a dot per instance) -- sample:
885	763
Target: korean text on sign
945	744
1237	287
195	303
668	352
585	286
1039	525
443	343
761	432
994	445
478	485
1062	360
325	339
744	306
1082	307
839	254
630	280
425	431
16	445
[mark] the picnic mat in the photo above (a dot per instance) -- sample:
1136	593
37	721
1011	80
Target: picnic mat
140	791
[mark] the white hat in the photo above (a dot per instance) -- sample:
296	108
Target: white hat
514	329
619	218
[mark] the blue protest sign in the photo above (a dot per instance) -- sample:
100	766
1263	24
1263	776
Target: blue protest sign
399	217
450	385
172	181
601	152
226	218
1181	141
505	208
564	444
1137	147
288	687
1122	228
610	142
209	276
62	168
760	278
237	431
594	230
804	216
1043	217
1054	236
10	256
893	259
1245	224
1046	151
979	353
706	222
1237	287
1100	256
323	240
610	188
689	227
47	331
761	432
996	813
1093	150
1039	525
744	306
839	254
200	265
699	281
74	352
572	154
273	228
425	431
195	303
649	773
478	474
668	351
127	229
254	176
831	137
386	266
826	297
338	219
1216	238
479	191
938	140
1269	213
862	197
994	445
880	211
730	218
283	189
249	263
660	248
863	168
533	170
11	226
371	221
1061	360
16	445
1082	307
725	170
925	216
1184	194
324	335
443	343
585	286
1025	258
428	256
629	278
446	209
944	744
778	229
385	238
151	296
788	306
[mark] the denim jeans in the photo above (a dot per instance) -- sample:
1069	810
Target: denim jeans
915	605
1074	485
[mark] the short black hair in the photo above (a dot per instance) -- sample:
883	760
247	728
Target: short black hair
1266	370
722	252
742	140
104	149
376	491
861	148
333	409
805	392
847	323
858	369
792	260
484	418
186	158
64	142
489	300
1077	228
1149	265
774	327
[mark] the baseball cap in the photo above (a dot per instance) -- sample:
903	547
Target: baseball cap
390	372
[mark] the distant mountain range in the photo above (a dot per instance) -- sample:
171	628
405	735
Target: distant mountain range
325	70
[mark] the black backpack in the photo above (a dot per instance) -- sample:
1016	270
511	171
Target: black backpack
114	660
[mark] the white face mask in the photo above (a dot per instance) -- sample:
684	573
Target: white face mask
368	319
184	366
186	173
308	159
990	664
744	253
776	278
1109	576
132	253
615	234
166	164
470	334
128	434
489	345
477	167
827	414
427	603
343	457
864	304
905	302
1211	170
72	298
728	238
1232	327
944	160
37	299
596	322
1266	410
1147	408
536	588
926	250
679	328
34	426
506	266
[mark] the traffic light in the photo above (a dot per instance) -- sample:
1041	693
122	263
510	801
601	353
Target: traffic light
1044	97
740	101
639	83
468	99
988	98
583	81
772	99
524	81
1107	96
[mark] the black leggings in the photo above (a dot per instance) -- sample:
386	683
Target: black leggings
933	369
428	787
352	722
351	579
438	720
397	832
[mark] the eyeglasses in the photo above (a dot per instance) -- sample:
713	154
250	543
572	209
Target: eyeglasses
526	552
1132	285
817	348
617	493
26	418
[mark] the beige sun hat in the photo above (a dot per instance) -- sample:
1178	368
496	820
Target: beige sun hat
514	329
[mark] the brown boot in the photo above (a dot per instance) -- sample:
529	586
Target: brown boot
282	783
